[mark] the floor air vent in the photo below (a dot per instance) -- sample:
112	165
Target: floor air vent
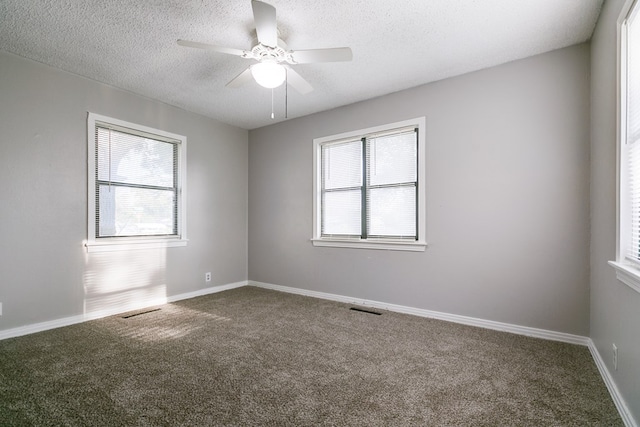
365	311
139	313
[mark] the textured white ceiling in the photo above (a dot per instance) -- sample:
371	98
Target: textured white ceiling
131	44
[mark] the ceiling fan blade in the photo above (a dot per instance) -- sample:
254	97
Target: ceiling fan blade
336	54
241	78
264	16
206	46
297	81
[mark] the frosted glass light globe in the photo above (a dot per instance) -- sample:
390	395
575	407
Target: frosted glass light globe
268	74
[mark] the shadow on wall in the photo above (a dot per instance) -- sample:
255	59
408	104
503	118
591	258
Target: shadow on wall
120	281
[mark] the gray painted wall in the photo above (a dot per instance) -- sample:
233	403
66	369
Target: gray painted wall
45	272
615	307
507	198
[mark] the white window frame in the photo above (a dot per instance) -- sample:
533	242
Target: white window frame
103	244
418	245
627	271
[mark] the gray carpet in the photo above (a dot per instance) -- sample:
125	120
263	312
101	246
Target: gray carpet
250	356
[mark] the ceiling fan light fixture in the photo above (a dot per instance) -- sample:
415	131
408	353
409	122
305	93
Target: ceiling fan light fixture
268	74
272	54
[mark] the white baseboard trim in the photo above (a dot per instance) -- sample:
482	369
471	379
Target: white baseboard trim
66	321
618	400
472	321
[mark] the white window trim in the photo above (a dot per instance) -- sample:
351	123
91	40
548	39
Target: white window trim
107	244
384	244
627	272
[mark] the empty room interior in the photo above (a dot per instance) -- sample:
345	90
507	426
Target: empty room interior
327	213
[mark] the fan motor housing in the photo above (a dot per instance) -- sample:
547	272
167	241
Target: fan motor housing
277	54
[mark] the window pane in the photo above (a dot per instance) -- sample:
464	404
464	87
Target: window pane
342	165
341	213
633	165
392	159
134	159
632	143
126	211
392	211
633	81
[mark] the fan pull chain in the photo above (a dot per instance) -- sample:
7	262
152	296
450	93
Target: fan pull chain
272	115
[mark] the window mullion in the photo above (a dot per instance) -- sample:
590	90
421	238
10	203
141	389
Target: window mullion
417	185
333	190
176	191
363	192
397	184
125	184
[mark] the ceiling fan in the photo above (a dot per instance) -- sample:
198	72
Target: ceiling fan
272	68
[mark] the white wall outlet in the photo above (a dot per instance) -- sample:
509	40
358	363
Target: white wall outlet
0	309
615	357
207	277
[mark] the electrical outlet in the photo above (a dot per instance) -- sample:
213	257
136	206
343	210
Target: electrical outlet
615	357
207	277
0	309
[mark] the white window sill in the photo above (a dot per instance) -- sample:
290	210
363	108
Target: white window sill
627	274
388	245
120	245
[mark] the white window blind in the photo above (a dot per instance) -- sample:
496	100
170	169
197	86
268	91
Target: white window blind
342	189
136	183
632	131
369	186
392	178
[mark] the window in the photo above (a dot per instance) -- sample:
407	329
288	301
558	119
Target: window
136	186
627	262
369	188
